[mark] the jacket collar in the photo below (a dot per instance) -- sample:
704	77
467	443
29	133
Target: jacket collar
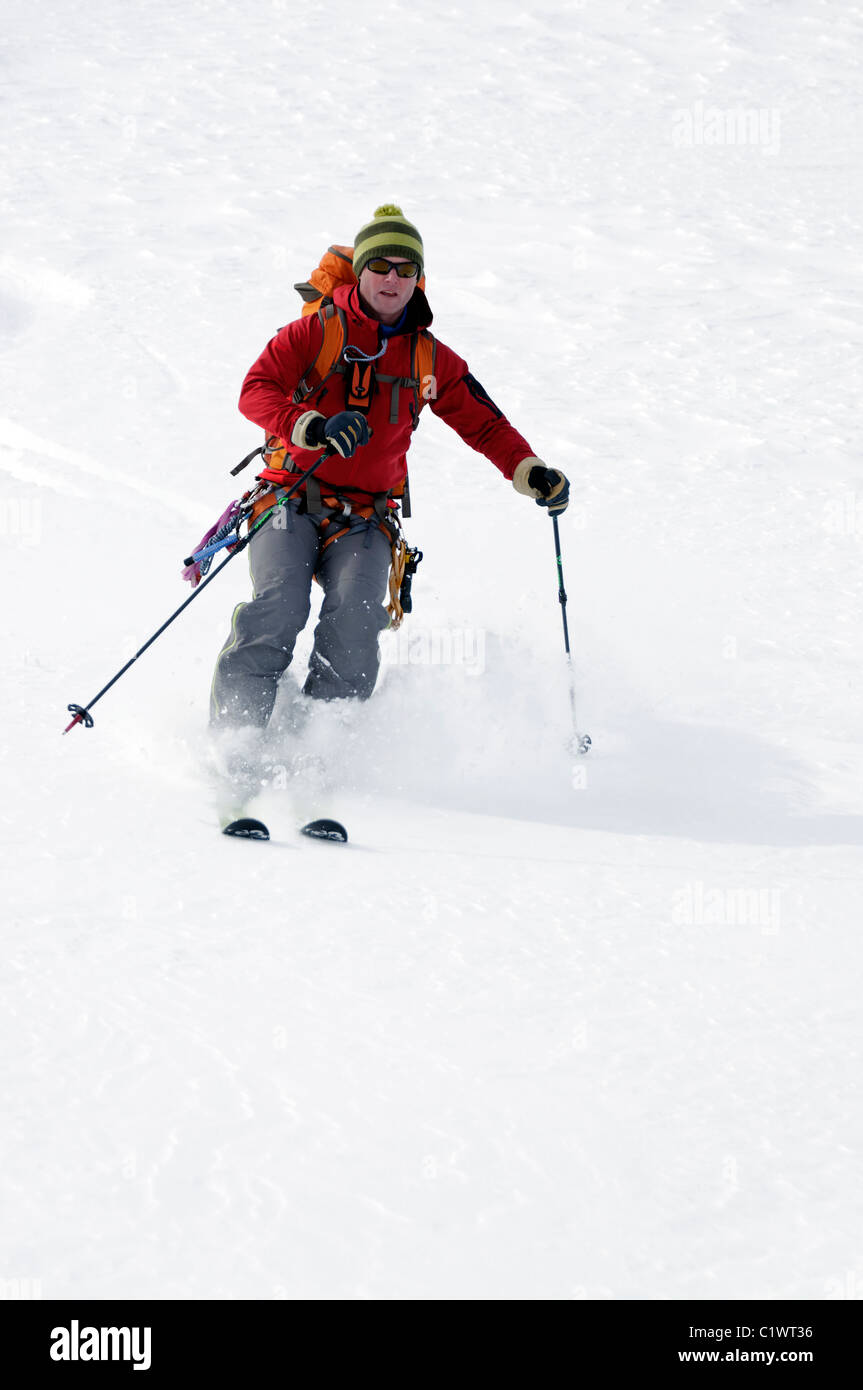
419	314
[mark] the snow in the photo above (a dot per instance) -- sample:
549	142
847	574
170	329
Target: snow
545	1028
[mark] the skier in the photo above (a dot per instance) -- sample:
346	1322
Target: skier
339	528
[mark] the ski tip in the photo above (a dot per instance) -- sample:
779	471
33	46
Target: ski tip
246	829
325	830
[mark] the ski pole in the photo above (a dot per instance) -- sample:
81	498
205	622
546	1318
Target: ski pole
82	712
580	742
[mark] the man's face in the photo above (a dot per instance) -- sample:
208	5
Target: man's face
387	295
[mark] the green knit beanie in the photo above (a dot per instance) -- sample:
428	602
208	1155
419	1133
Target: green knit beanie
388	234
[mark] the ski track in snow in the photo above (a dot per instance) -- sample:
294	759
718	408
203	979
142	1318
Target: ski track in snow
542	1029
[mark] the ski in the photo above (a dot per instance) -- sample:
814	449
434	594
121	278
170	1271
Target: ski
325	830
246	828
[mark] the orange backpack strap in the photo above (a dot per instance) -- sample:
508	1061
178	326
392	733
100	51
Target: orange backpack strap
422	368
423	365
334	328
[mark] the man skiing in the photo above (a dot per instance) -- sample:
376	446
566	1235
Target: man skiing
338	528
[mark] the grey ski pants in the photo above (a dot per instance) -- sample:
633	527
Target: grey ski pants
344	662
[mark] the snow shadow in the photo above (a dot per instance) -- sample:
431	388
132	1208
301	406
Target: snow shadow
492	741
705	782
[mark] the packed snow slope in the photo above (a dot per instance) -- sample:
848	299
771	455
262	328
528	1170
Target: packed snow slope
545	1028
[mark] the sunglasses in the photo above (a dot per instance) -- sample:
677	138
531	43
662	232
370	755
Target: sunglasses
406	270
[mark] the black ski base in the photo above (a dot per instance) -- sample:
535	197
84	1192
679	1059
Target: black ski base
325	830
246	828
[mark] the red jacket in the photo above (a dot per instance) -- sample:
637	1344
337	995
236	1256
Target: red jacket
266	398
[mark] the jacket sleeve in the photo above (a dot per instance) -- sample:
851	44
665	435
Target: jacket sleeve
463	403
267	394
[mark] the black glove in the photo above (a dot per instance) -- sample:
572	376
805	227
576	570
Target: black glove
553	486
344	432
548	486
